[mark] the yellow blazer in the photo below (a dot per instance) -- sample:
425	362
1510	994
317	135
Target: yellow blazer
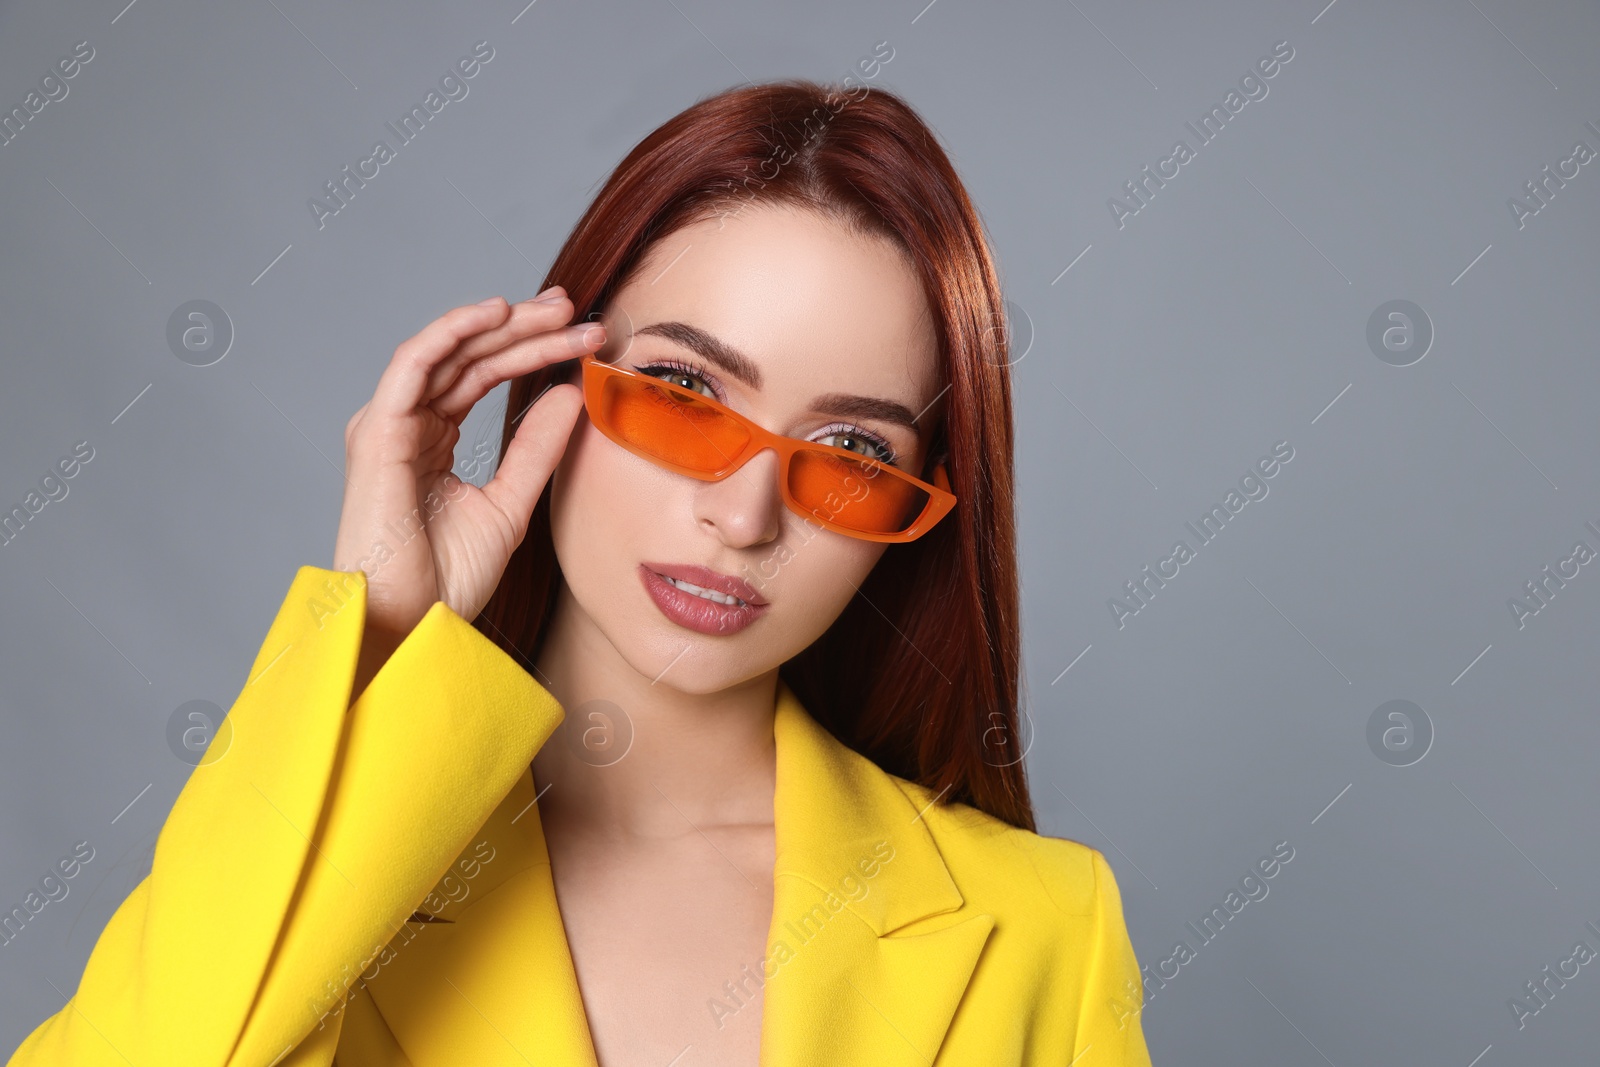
367	885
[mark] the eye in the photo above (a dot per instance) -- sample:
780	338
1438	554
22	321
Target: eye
847	437
682	375
843	435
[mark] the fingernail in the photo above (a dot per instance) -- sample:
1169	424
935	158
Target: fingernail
594	335
486	303
550	295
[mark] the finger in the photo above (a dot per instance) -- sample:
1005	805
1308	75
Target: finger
400	387
355	420
527	318
437	451
523	357
533	453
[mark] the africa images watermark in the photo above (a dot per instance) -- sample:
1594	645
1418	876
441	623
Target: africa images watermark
53	888
1253	887
1539	590
380	553
52	488
803	928
53	89
1539	989
335	993
452	87
1254	488
782	153
1139	190
1541	190
851	489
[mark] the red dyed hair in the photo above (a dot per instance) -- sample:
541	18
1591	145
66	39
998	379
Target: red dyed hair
920	671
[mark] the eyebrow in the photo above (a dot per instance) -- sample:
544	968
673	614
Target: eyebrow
742	367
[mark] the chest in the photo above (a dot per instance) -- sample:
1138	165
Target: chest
667	937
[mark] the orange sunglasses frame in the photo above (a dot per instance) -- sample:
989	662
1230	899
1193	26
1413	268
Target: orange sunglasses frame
940	499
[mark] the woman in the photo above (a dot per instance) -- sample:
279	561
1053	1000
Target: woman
740	692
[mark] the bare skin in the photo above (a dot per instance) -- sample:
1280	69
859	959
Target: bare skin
662	860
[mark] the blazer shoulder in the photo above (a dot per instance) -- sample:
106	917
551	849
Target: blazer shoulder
992	860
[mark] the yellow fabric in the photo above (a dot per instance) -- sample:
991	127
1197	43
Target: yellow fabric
367	885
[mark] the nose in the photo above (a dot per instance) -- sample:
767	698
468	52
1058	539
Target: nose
746	507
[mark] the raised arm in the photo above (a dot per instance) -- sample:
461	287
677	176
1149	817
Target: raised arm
293	857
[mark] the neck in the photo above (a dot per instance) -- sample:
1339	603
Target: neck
636	754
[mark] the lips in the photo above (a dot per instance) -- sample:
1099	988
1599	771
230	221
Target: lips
706	578
695	612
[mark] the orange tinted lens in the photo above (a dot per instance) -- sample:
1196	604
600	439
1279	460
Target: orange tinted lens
859	495
671	425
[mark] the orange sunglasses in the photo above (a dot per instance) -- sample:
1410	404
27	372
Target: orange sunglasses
690	433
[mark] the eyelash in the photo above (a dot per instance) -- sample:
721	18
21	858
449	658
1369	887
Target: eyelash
887	453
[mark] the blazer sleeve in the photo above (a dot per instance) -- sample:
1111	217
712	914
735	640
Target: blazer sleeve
291	858
1109	1033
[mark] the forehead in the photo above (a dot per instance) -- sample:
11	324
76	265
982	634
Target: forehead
813	304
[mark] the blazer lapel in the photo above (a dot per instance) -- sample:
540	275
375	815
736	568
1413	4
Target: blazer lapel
868	951
493	983
868	954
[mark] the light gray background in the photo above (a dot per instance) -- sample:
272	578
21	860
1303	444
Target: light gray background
1229	314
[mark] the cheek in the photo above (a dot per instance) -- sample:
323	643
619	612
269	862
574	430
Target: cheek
589	498
606	506
816	578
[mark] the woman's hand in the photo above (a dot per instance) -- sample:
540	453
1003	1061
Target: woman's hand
399	449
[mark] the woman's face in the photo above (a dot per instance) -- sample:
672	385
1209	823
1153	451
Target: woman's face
780	314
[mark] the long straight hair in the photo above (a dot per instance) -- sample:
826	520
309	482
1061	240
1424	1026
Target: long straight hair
920	671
